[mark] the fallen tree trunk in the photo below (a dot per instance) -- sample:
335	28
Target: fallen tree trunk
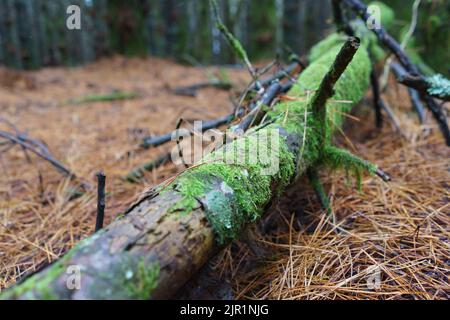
165	237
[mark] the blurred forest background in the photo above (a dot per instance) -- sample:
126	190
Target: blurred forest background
33	33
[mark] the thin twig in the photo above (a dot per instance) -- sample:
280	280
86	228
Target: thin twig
58	165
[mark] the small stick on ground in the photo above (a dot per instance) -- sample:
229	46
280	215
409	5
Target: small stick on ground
154	141
101	179
180	150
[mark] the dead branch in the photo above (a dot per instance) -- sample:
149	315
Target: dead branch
387	40
191	90
32	146
137	173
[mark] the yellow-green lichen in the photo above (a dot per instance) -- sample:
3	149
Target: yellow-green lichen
439	86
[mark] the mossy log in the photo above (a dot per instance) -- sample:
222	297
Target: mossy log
165	237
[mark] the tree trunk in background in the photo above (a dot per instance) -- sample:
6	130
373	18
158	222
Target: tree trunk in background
42	35
28	33
71	47
100	28
170	19
241	21
279	32
203	50
12	42
87	34
34	33
305	23
53	30
292	18
262	29
2	32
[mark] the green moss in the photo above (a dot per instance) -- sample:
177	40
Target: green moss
233	185
190	189
337	158
142	284
319	189
350	88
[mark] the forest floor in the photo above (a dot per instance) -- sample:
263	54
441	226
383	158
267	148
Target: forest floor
393	239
